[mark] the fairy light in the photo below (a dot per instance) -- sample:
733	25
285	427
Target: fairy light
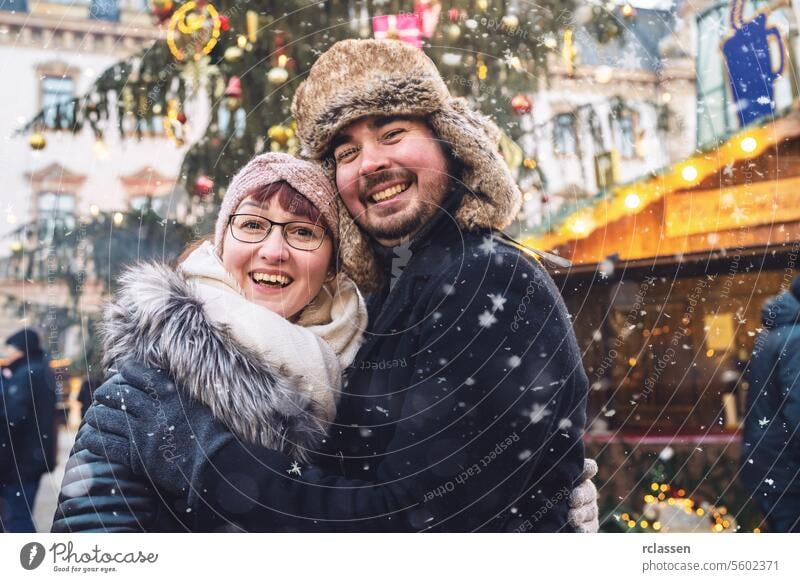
118	218
632	201
748	144
654	486
689	173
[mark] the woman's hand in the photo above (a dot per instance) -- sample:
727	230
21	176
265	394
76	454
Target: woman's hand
141	420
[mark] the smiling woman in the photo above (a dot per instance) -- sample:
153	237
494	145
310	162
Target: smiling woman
257	325
279	249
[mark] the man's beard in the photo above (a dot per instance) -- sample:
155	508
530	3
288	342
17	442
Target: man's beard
411	219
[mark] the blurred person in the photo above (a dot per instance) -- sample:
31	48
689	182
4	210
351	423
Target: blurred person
28	438
771	440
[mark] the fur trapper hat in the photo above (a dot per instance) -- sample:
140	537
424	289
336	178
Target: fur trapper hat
358	78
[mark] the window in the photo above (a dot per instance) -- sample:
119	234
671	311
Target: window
565	141
55	213
57	94
596	130
14	5
104	10
626	133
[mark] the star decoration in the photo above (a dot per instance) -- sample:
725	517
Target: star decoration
294	469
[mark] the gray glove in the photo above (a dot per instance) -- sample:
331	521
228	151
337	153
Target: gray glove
584	512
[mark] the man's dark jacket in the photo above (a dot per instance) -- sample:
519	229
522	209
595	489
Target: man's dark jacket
463	411
27	414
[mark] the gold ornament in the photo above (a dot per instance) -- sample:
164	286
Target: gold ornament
193	30
277	75
233	54
453	31
510	21
37	141
279	134
482	5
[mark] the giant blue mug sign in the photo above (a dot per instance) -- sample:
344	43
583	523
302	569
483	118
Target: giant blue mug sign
751	69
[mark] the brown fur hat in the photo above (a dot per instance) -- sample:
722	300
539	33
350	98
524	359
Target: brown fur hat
358	78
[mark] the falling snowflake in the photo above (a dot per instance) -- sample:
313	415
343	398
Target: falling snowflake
769	482
764	100
763	422
514	361
487	319
539	412
564	424
497	301
294	469
488	245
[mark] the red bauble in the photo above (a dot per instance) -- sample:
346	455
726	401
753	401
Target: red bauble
521	104
203	186
224	23
181	118
234	88
453	14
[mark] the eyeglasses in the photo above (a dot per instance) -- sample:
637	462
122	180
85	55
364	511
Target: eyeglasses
303	236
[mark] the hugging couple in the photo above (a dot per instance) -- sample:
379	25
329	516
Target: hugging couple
248	392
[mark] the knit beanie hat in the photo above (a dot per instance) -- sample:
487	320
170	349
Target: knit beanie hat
306	177
25	340
358	78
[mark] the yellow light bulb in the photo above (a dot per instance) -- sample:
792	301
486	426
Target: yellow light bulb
748	144
689	173
632	201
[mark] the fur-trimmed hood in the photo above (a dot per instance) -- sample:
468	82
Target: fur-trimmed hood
158	319
358	78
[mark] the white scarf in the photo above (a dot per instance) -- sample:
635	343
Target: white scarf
317	348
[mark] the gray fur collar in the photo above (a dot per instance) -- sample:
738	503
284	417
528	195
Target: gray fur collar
155	320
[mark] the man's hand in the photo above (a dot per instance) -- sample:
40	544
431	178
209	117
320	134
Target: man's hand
583	513
140	419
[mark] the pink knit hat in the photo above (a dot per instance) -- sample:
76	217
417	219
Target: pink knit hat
307	178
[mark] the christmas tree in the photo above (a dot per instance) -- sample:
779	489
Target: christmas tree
251	55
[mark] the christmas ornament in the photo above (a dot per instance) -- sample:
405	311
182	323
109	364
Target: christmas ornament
280	134
510	21
233	54
405	27
233	93
482	5
454	14
193	30
428	13
628	11
224	23
521	104
203	186
37	141
162	9
251	24
277	75
529	163
453	32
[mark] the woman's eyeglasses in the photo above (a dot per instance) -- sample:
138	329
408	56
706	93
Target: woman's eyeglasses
303	236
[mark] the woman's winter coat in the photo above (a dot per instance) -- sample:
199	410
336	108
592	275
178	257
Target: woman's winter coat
271	382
